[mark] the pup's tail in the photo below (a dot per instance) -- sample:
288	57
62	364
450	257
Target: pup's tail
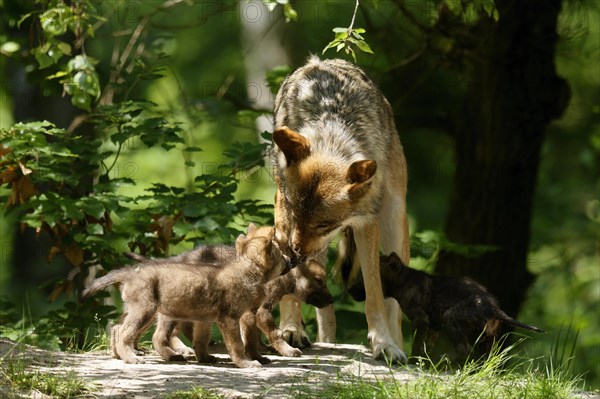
135	257
113	277
346	270
515	323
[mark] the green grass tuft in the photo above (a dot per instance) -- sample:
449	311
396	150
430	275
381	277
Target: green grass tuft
195	392
15	374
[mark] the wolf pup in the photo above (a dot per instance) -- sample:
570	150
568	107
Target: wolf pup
306	283
458	307
339	163
199	292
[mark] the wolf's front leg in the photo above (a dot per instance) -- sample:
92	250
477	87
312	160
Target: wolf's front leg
382	342
230	328
326	324
251	337
291	323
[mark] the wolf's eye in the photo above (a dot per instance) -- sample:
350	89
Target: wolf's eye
325	225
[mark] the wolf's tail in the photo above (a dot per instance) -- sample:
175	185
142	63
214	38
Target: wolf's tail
509	320
113	277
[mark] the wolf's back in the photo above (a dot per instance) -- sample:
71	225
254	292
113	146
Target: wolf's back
113	277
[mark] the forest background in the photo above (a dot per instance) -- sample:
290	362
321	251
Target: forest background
143	125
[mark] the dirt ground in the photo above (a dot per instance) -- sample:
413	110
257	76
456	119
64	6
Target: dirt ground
155	378
283	378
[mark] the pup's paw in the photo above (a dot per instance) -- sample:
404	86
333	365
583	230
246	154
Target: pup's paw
389	353
263	360
249	364
207	359
176	358
134	360
184	351
296	337
292	352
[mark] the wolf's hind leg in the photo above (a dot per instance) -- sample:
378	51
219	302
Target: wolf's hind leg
201	341
162	338
127	332
176	344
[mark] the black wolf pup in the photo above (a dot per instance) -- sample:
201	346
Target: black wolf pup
460	307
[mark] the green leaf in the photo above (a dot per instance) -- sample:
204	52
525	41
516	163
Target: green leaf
43	60
92	207
94	229
361	44
65	48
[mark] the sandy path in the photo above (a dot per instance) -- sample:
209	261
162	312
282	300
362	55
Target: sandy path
284	377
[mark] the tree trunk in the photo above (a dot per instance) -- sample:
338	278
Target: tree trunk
515	93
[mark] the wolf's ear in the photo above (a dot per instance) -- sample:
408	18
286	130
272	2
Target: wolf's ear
361	171
294	146
251	229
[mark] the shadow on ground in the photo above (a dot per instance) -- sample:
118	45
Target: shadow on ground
284	377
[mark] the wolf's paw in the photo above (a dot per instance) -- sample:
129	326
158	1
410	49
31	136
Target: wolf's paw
176	358
134	360
263	360
207	359
389	353
184	351
296	337
292	352
249	364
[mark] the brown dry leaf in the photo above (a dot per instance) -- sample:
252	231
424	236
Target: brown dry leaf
74	254
58	288
22	190
52	253
4	151
9	174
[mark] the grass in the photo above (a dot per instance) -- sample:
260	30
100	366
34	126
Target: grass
195	392
492	378
17	375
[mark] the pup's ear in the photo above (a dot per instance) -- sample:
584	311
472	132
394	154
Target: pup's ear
240	243
361	171
395	259
294	146
251	229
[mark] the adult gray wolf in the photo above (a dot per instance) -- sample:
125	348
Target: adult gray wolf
339	164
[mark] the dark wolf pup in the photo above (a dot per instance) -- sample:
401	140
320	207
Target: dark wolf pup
339	163
201	293
458	307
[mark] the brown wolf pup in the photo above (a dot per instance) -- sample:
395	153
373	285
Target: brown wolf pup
306	283
199	292
339	163
460	308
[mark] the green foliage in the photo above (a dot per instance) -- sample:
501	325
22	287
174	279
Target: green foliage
17	373
485	379
60	183
346	39
195	392
77	75
289	12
